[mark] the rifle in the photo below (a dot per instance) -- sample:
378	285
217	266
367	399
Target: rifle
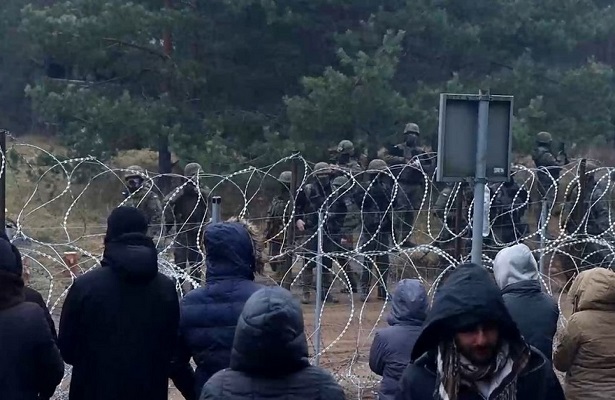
562	152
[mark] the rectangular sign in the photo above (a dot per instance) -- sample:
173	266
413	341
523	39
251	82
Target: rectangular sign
458	132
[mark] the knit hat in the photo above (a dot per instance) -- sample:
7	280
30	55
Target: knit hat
10	258
125	220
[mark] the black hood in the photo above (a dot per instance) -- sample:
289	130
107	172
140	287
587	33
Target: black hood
468	296
270	338
133	256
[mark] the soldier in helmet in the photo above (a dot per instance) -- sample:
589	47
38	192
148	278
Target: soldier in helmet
140	194
344	204
376	228
549	166
345	162
406	160
313	197
278	217
186	210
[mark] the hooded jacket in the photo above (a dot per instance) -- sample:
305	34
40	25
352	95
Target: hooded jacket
468	296
30	363
585	352
535	312
391	348
270	356
119	325
209	314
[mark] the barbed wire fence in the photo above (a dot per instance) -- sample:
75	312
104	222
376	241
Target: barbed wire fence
60	237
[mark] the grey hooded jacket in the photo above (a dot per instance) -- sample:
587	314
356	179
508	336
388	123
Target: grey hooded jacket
392	346
534	311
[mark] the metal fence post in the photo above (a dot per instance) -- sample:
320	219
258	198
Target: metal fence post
317	311
480	180
543	233
216	205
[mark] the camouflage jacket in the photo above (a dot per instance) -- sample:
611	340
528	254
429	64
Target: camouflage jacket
445	208
310	200
352	168
543	158
508	203
406	163
186	209
147	201
278	216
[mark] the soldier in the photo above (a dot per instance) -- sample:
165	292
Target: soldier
508	205
445	209
309	201
186	210
549	165
278	216
344	204
345	162
406	161
140	194
376	232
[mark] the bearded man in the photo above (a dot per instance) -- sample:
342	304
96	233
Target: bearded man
470	347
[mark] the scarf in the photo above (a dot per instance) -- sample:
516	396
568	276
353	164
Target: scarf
454	370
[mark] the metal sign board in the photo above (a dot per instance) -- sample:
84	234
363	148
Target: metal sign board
458	132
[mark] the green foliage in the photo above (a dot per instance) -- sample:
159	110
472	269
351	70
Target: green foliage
250	81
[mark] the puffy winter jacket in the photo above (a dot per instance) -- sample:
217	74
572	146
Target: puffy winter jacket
209	314
270	356
392	346
586	352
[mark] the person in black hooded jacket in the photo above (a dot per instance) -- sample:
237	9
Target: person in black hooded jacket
30	364
119	323
471	349
269	359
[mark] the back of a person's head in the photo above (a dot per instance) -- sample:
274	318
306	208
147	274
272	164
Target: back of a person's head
514	264
124	221
409	304
593	289
236	242
270	338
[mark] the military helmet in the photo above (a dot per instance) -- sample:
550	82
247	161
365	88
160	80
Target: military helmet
544	137
285	177
377	164
345	147
134	171
339	181
411	127
192	169
322	168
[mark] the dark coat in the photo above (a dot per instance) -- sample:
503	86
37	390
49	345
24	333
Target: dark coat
209	314
32	296
30	362
119	325
516	273
392	346
468	296
269	360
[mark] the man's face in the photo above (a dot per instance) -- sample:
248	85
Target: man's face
479	343
134	183
411	139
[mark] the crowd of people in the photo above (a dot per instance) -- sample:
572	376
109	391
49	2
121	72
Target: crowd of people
126	332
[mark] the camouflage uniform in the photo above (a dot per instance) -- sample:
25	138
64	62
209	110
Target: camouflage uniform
405	161
376	228
508	205
309	201
140	194
446	211
597	203
549	166
187	211
278	216
345	162
344	203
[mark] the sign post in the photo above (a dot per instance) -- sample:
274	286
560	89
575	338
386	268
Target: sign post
474	144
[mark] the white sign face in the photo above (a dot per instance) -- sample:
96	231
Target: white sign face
457	137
